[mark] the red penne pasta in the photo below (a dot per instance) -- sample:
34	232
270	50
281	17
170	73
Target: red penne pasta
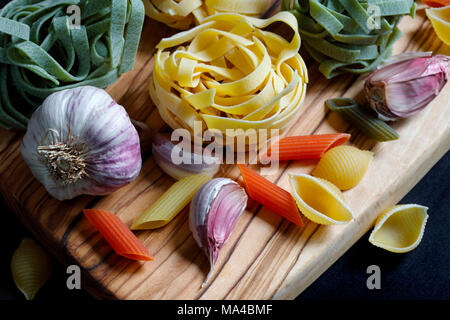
436	3
306	147
270	195
118	235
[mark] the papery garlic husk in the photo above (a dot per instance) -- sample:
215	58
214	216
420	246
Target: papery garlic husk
80	141
214	211
402	89
164	153
145	137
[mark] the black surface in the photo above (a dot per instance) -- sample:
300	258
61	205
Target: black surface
423	273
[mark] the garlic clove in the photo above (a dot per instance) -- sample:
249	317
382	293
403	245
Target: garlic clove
214	212
145	136
165	152
401	89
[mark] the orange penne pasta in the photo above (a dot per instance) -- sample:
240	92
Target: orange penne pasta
118	235
306	147
270	195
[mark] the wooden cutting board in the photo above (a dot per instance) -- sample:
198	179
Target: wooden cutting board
266	256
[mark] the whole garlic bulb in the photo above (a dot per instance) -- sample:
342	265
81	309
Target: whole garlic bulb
80	141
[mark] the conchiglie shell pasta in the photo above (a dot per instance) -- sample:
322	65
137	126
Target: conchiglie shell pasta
344	166
400	228
30	267
319	200
440	19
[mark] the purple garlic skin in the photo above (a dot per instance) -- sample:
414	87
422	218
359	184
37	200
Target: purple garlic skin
214	211
164	152
402	89
81	141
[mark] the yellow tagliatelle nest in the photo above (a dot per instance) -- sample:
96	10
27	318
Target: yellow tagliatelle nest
440	18
319	200
400	228
230	73
30	267
344	166
181	14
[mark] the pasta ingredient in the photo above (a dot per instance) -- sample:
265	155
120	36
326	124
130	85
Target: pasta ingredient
231	74
306	147
213	214
146	135
406	55
319	200
349	35
163	210
344	166
45	48
184	14
117	234
80	141
402	89
31	267
436	3
270	195
400	228
440	19
362	119
178	163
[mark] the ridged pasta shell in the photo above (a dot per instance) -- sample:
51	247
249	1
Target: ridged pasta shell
319	200
31	267
440	19
400	228
344	166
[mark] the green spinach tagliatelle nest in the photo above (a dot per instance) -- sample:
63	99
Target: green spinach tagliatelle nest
349	35
45	47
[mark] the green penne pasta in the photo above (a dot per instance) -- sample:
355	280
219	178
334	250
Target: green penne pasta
45	47
369	124
349	35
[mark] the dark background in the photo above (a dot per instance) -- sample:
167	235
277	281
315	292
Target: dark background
423	273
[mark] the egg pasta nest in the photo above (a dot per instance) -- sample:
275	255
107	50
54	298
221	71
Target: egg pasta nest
231	74
182	14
